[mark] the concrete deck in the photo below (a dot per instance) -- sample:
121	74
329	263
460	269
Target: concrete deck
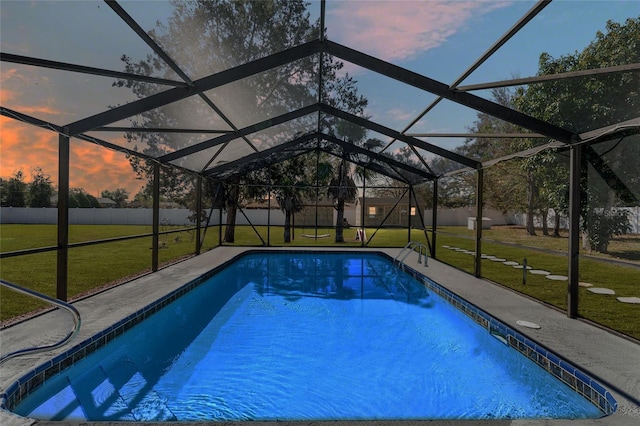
612	360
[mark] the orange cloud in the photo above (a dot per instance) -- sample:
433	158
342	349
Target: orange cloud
93	168
26	147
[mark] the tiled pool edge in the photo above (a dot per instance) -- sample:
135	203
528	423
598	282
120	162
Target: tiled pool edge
32	380
558	367
555	365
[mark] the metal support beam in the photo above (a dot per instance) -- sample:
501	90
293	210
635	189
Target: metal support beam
220	225
269	209
478	256
376	157
44	63
575	171
437	88
434	218
62	279
362	208
388	214
198	214
409	215
419	210
155	246
552	77
202	85
399	136
193	149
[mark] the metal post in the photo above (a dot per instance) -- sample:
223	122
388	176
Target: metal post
317	187
220	224
478	257
409	215
364	190
434	219
155	246
198	213
574	229
269	210
62	278
422	219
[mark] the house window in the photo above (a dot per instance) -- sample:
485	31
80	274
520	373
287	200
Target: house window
372	212
413	211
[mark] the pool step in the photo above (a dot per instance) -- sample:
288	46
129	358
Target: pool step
98	397
145	403
63	406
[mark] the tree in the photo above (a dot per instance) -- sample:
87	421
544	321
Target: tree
292	189
40	189
205	37
120	196
79	198
590	103
15	191
143	198
342	93
342	188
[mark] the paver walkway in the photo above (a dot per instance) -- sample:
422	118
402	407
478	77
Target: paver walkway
548	275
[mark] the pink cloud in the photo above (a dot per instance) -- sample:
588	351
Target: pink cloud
399	30
398	114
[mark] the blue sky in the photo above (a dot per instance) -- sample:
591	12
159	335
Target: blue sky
439	39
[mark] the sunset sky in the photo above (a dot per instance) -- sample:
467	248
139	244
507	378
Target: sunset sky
439	39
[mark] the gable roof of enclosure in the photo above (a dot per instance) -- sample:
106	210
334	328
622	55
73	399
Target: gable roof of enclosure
230	150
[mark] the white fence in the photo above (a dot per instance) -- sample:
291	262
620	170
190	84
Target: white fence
97	216
461	215
446	217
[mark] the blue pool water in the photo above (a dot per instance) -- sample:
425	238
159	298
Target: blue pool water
301	337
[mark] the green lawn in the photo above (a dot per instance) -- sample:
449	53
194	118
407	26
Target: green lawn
95	266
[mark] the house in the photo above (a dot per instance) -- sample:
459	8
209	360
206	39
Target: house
388	212
107	203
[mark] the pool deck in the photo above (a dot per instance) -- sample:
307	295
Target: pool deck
612	360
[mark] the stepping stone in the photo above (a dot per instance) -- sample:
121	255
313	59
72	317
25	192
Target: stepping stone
487	256
599	290
446	246
635	300
539	272
527	324
557	277
498	259
510	263
581	284
521	267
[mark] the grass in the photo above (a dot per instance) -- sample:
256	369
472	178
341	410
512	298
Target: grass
624	247
602	309
95	266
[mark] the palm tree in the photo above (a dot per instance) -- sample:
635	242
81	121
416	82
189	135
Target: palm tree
290	201
342	188
292	179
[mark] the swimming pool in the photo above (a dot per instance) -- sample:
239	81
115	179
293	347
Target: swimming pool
317	336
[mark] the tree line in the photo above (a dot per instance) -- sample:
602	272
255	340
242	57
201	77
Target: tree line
40	192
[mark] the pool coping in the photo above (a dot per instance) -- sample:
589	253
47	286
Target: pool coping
171	282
